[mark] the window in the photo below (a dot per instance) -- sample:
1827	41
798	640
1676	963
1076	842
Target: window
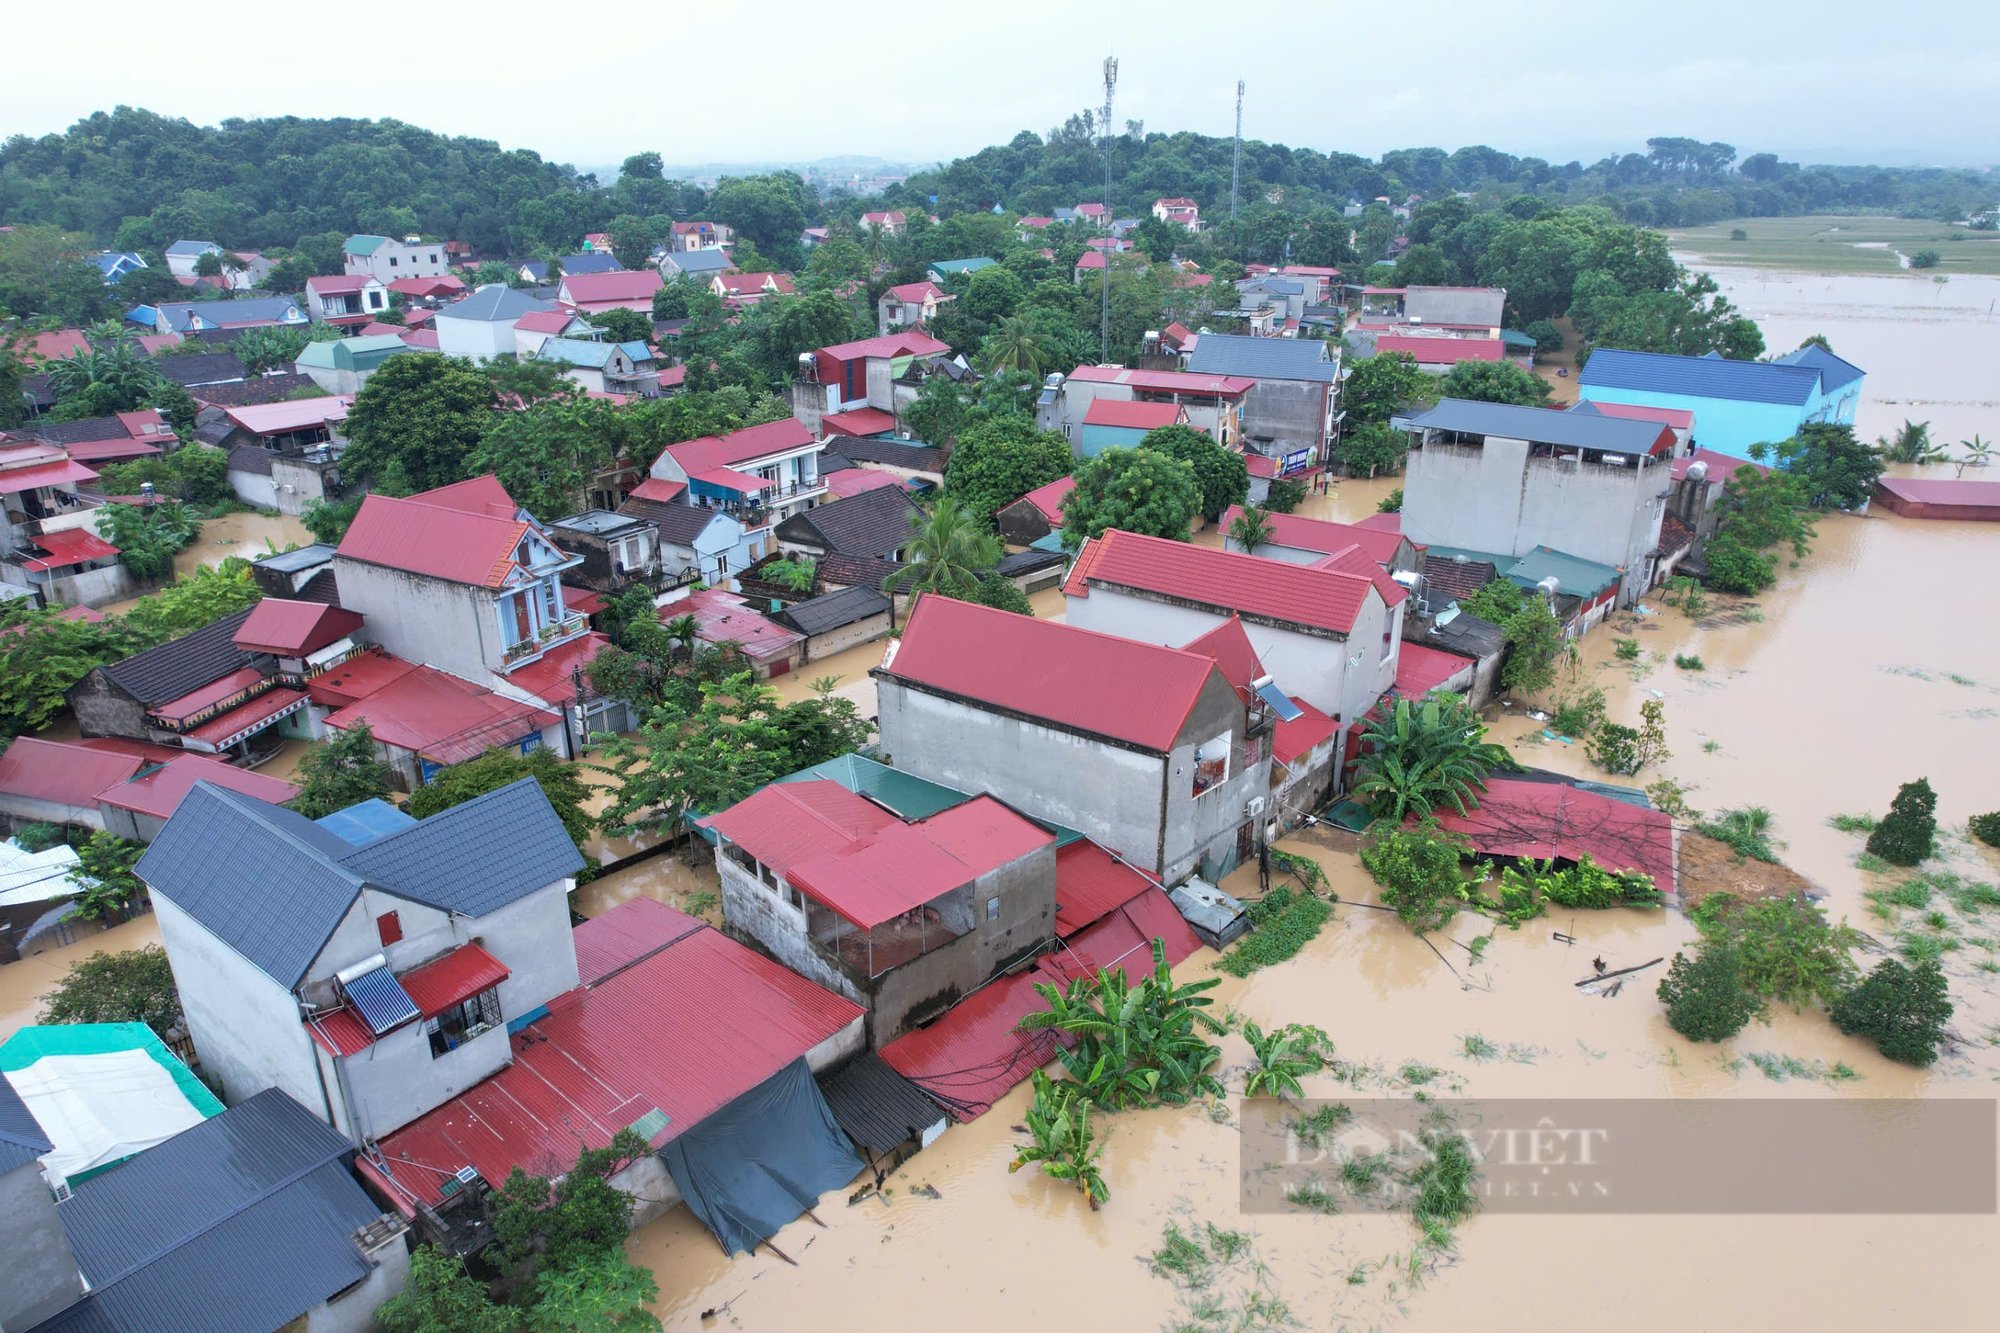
1211	764
992	909
464	1021
392	261
434	259
389	927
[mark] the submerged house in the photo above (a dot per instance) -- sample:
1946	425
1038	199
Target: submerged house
1735	403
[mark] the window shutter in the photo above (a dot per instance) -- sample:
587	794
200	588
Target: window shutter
389	926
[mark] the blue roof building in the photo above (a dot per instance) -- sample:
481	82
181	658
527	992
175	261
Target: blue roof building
115	264
1735	403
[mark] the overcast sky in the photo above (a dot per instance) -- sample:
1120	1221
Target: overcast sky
721	82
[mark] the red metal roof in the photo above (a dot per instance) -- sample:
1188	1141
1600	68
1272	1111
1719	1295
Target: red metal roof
1975	498
1679	418
1090	259
1167	381
158	792
729	479
583	601
1355	560
726	618
891	871
916	293
209	695
658	489
282	418
984	834
1091	882
1074	678
851	481
1260	466
1252	585
1297	737
294	629
552	676
609	288
1232	650
357	678
789	822
444	284
1441	351
741	446
755	284
863	421
340	1032
1049	498
1131	415
685	1032
1389	522
441	541
910	342
70	546
340	284
442	718
62	772
452	979
113	450
1517	817
482	494
225	729
62	472
60	345
620	938
1721	467
1325	536
1421	669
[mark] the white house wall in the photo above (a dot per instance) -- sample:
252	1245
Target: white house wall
446	625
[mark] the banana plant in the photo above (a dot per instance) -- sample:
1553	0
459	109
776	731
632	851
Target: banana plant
1063	1143
1282	1057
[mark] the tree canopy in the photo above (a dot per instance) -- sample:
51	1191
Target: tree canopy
1136	490
416	422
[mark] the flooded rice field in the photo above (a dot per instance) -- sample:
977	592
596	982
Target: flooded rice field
1865	667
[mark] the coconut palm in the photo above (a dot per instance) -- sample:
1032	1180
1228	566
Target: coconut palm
682	631
1014	345
114	378
1251	528
948	552
1421	757
1911	444
1064	1144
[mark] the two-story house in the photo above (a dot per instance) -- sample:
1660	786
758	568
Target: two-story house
908	305
482	325
353	298
371	982
1213	403
387	258
1180	210
1288	417
741	290
595	293
884	373
1329	632
1149	751
604	367
902	917
890	222
760	475
696	234
460	578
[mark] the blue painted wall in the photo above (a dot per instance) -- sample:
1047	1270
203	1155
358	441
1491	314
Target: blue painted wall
1096	439
1731	426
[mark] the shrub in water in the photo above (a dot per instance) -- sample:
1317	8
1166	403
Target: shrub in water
1986	828
1901	1009
1908	833
1705	996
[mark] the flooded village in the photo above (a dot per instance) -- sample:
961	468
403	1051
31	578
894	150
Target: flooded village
785	754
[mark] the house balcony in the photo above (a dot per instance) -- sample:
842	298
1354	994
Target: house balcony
551	636
867	954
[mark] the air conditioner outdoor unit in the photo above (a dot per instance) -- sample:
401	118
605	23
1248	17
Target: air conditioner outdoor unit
1254	807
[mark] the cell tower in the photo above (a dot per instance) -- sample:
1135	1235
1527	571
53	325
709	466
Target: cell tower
1236	159
1104	281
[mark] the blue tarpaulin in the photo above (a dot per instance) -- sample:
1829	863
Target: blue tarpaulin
760	1161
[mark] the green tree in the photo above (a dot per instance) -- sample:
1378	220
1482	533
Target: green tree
1136	490
948	552
1014	344
342	770
1060	1139
106	883
1548	338
1378	387
937	413
1418	869
1495	382
417	421
1911	444
1280	1058
197	598
542	1225
1422	756
997	460
328	520
1251	528
822	727
1285	495
1705	996
1221	473
562	783
134	986
1903	1010
1834	470
546	455
1926	259
1001	594
1534	638
1371	449
148	536
1789	951
624	326
441	1297
1907	835
631	241
681	763
1138	1042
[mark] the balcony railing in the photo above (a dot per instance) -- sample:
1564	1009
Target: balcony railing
560	632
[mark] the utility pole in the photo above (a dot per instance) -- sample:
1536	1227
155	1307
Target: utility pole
1236	162
1104	277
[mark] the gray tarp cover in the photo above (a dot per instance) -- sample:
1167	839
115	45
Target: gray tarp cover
760	1161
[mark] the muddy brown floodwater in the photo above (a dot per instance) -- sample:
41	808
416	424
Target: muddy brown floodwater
1865	667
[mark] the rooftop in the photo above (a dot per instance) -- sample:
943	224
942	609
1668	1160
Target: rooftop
461	533
441	717
294	629
1167	381
1324	535
1131	415
742	446
1701	376
1273	591
171	670
1544	425
1265	358
1520	816
876	522
833	610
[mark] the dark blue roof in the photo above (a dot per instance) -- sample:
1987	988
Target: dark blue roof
576	265
1700	376
273	885
1543	425
1263	358
244	1221
21	1137
1834	373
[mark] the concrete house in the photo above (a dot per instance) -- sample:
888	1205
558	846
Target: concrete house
1180	210
835	621
903	918
460	578
874	523
604	367
1735	403
1289	416
1497	478
700	265
42	1274
388	259
185	317
617	549
908	305
537	270
891	222
1109	424
1328	633
874	372
354	298
595	293
761	475
695	542
1213	403
696	234
370	982
482	325
1476	311
1035	515
1148	750
343	365
182	256
539	326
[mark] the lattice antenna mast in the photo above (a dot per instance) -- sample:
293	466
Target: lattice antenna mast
1236	158
1104	281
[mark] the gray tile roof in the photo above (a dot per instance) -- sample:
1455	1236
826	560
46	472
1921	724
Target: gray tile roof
875	523
701	262
244	1221
21	1138
677	524
574	265
81	432
855	571
894	453
180	665
1835	373
201	368
833	610
273	885
1541	425
192	249
1263	358
250	459
494	304
255	389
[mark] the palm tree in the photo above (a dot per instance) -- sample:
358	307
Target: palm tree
948	552
682	630
1014	345
1911	444
115	377
1422	757
1064	1144
1251	528
1978	453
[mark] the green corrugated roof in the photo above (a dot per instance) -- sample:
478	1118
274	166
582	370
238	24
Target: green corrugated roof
1052	543
365	245
35	1043
973	265
1516	338
1576	576
903	794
